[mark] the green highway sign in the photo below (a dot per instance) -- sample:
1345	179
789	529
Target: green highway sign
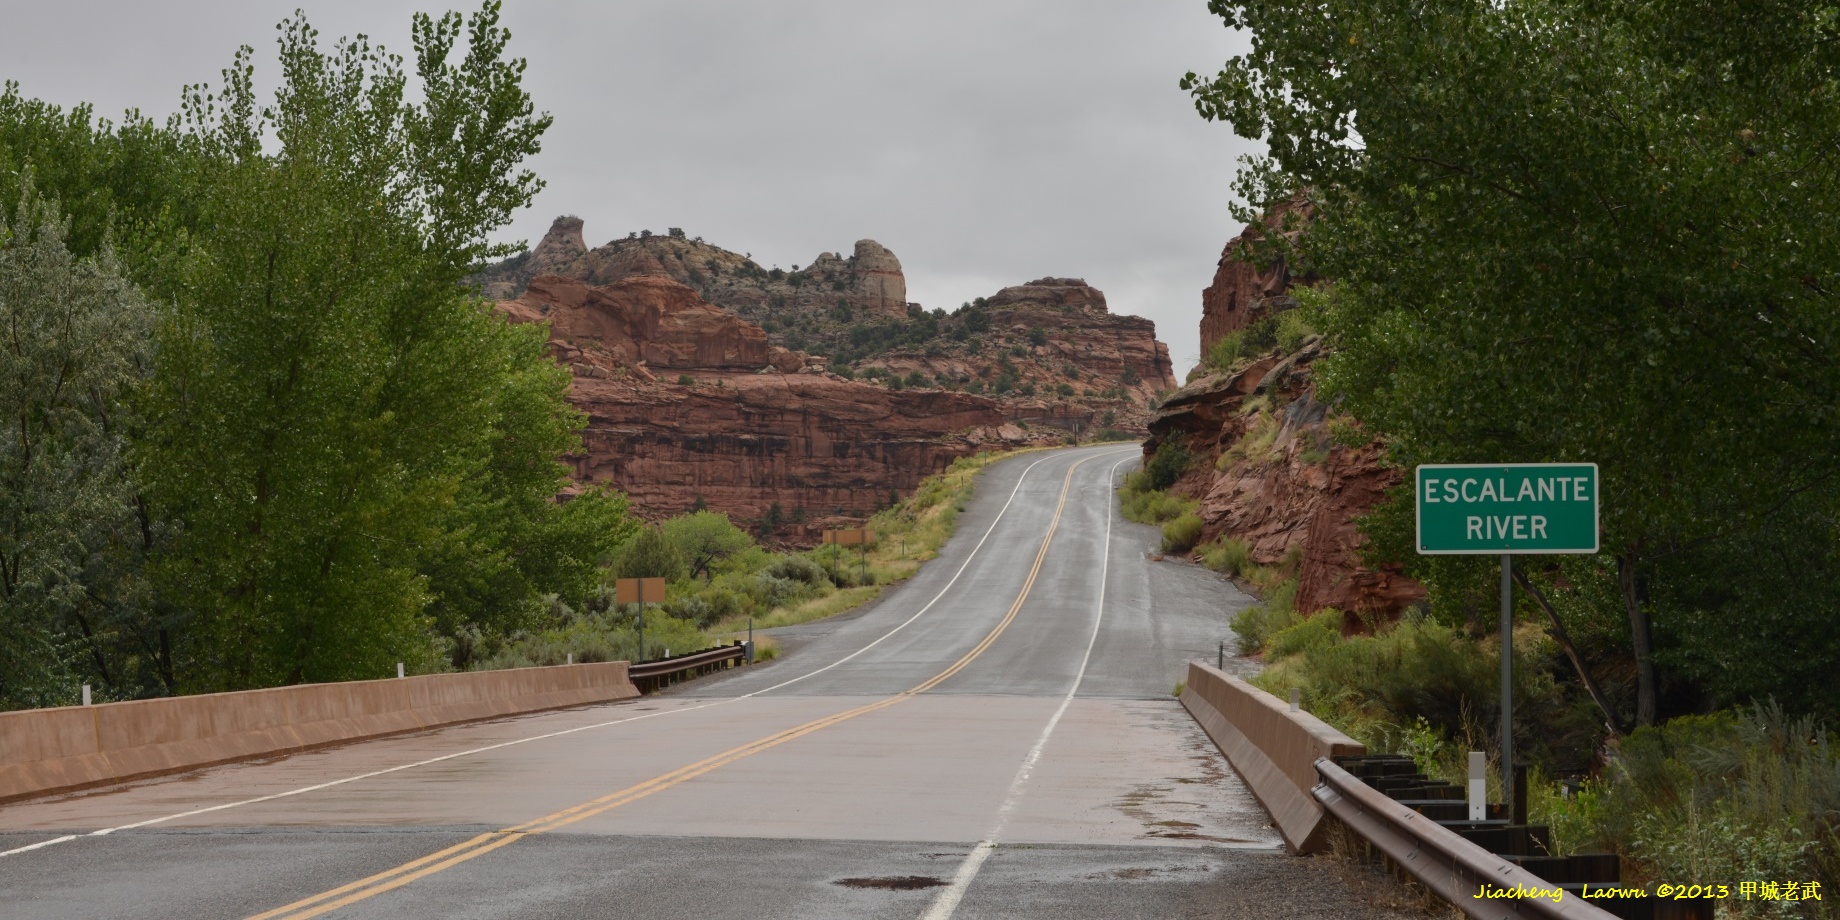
1490	509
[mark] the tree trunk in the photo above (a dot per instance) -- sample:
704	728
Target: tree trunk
1564	640
1639	638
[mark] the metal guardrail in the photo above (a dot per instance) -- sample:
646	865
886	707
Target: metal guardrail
1453	868
654	675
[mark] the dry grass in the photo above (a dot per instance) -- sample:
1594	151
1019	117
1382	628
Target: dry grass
1365	873
906	535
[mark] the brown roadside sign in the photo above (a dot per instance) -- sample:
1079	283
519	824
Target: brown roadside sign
848	537
639	591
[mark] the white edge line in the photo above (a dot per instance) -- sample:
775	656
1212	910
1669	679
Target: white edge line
567	731
946	902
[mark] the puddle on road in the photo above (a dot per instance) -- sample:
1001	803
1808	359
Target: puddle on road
892	882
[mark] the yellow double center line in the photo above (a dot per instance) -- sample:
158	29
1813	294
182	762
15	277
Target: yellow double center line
392	879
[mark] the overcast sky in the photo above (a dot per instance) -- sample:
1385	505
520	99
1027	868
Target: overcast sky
986	142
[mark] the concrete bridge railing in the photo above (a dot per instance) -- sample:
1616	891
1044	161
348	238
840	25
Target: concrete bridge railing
45	751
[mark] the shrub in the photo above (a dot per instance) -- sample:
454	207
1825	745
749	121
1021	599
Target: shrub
686	380
1152	507
1346	433
1726	797
1228	556
1179	535
1225	352
1292	330
799	568
1167	465
1319	631
1259	335
1037	336
1256	624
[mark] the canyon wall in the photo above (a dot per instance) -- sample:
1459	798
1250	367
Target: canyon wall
1048	352
1248	285
1273	465
686	401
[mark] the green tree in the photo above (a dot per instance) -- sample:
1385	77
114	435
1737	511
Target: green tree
73	345
334	418
1569	231
649	554
705	538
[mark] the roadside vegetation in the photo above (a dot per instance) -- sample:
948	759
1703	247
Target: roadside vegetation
1552	286
719	580
260	431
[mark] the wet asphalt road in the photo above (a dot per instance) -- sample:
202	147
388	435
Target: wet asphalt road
995	738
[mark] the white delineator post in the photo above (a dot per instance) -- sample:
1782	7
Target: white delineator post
1296	698
399	670
86	694
1478	785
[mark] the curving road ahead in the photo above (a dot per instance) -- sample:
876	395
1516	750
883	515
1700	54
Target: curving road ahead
994	738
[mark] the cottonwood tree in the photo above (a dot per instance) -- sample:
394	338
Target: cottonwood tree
355	448
73	344
1572	231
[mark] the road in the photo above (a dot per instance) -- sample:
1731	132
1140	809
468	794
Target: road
994	738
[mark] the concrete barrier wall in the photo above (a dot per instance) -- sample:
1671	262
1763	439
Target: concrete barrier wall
1273	749
56	750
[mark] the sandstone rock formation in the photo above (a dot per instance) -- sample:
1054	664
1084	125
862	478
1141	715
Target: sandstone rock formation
687	401
1246	287
1093	370
1266	468
1062	358
869	281
1297	489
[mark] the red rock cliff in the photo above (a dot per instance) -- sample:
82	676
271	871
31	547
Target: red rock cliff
1094	370
1266	470
755	425
1284	483
1247	289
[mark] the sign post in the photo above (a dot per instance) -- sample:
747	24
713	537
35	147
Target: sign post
857	537
1503	509
639	591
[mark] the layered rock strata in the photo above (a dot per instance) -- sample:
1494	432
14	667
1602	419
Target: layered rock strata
1251	283
1284	486
685	401
1050	351
1266	469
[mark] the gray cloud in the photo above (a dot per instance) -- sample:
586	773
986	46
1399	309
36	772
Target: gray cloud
987	142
